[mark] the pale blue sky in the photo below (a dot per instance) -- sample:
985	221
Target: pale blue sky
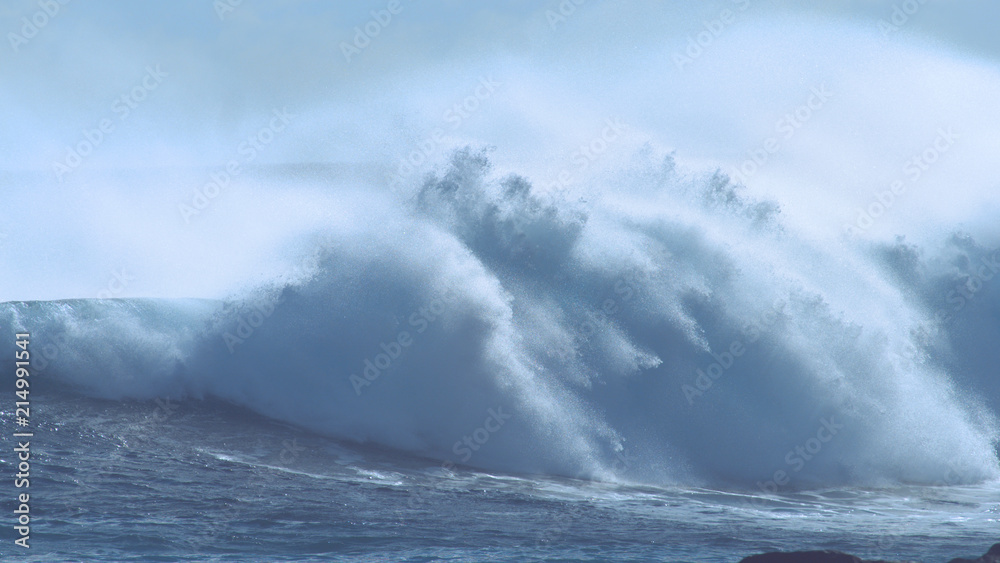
892	93
271	53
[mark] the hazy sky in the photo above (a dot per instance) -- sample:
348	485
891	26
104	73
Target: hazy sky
225	74
715	82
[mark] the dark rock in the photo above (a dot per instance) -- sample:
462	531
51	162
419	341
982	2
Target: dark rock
826	556
992	556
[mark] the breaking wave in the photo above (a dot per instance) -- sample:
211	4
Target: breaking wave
665	328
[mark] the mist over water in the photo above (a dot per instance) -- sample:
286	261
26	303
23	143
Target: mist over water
556	248
664	328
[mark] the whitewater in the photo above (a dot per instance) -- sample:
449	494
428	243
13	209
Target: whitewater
490	284
671	344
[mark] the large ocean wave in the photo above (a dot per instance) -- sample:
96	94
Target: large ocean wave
665	328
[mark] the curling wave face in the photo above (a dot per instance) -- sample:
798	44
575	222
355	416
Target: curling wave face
665	329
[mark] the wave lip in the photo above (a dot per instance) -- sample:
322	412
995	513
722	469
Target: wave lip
665	329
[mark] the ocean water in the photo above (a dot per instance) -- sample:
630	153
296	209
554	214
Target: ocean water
490	373
525	281
121	481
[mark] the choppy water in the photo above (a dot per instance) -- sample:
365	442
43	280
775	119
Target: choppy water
645	281
203	481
